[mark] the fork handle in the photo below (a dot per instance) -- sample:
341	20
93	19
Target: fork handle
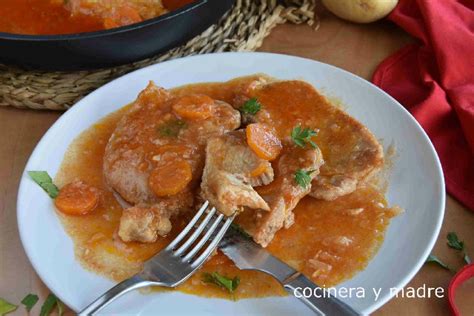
123	287
319	302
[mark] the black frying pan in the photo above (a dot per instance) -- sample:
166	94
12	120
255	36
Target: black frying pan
115	46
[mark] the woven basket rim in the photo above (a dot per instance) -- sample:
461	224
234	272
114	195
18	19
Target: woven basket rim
241	29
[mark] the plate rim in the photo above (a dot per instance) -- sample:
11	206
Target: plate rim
83	102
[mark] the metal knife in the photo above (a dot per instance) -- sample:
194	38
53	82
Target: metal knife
248	255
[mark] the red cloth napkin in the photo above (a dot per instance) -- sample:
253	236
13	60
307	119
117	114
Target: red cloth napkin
434	79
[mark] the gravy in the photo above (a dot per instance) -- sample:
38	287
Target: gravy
361	217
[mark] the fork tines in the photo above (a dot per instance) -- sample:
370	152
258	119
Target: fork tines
211	229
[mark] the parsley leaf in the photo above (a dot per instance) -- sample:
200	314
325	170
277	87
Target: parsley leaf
252	107
301	136
455	243
171	128
6	307
43	179
222	281
436	260
60	307
49	304
29	301
303	178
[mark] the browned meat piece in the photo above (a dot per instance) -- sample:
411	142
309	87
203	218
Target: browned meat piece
331	187
283	193
115	13
231	169
351	153
143	224
159	129
354	167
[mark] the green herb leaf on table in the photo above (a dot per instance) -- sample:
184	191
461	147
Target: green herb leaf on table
303	178
49	305
222	281
29	301
252	107
43	179
6	307
60	307
436	260
455	243
171	128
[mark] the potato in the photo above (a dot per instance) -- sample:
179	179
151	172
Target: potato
360	11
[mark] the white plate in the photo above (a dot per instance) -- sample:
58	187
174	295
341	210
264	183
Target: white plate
416	183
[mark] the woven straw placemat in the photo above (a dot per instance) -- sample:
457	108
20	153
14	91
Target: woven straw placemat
243	28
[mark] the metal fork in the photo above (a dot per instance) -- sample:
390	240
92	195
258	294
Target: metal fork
173	265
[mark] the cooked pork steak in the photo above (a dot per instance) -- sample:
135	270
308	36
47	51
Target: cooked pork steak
226	183
155	156
143	224
351	152
284	193
232	170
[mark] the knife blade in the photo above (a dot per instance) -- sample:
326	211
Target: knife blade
248	255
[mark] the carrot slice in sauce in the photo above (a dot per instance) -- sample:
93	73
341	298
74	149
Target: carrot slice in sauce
263	141
170	178
77	198
194	107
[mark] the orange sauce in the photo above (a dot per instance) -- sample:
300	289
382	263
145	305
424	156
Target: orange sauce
317	224
51	17
43	17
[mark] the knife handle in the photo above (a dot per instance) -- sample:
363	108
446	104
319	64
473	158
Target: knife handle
319	301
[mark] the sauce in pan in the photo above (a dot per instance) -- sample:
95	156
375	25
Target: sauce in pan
54	17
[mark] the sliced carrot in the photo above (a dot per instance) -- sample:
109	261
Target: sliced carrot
77	198
194	107
263	141
170	178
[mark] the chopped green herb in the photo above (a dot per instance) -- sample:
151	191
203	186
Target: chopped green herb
240	230
252	107
6	307
455	243
301	136
222	281
436	260
29	301
171	128
43	179
49	304
303	178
